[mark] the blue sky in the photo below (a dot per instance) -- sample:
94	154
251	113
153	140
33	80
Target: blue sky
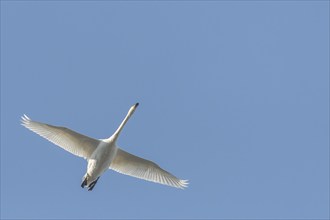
234	96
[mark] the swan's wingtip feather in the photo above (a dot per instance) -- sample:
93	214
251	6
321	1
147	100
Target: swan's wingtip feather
183	184
25	120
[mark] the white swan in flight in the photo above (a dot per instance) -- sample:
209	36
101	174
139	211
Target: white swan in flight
103	154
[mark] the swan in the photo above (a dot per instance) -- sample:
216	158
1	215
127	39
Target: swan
103	154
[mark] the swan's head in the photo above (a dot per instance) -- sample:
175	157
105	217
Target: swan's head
132	109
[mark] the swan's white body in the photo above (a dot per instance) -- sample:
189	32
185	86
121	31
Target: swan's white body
103	154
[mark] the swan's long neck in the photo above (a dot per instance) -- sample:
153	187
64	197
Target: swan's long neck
121	126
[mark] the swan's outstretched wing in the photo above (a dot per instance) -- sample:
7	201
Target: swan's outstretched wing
131	165
77	144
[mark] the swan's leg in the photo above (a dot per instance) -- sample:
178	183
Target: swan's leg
91	186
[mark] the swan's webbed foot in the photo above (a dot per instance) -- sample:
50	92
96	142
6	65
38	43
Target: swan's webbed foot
91	186
84	182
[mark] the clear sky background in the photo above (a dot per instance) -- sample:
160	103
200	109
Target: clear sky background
234	96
